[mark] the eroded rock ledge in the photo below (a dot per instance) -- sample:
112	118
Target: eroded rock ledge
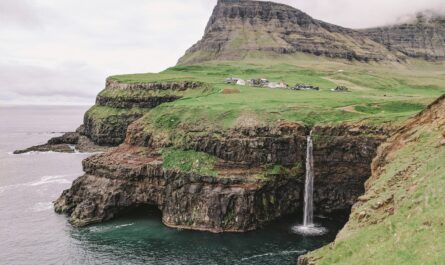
125	178
124	103
117	106
238	198
178	86
69	142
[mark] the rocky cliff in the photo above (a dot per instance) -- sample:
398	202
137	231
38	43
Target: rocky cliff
403	203
238	28
258	176
121	103
126	178
117	106
422	37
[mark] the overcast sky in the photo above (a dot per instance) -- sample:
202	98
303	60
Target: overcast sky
61	51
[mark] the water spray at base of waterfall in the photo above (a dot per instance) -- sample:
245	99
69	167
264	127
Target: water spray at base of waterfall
312	230
309	228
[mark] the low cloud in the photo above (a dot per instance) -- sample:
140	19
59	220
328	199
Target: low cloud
22	82
364	13
21	13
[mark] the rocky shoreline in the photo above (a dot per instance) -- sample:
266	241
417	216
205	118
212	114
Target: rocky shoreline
70	142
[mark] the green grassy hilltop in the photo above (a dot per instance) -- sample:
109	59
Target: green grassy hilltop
378	92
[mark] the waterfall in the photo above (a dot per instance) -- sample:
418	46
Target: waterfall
309	228
308	219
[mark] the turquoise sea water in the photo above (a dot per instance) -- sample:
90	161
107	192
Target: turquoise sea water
31	233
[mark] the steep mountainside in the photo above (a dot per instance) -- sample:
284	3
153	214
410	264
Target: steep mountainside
422	38
238	28
400	219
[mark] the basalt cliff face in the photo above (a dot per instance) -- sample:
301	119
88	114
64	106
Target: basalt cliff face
242	195
423	37
239	27
125	178
122	103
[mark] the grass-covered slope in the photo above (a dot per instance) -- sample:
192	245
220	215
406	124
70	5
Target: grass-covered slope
400	219
379	92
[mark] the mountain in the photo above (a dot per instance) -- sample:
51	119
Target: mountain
421	37
238	28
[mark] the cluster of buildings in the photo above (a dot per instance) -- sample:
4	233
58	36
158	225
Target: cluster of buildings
305	87
256	83
262	82
340	89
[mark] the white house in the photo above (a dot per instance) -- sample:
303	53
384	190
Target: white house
277	85
241	82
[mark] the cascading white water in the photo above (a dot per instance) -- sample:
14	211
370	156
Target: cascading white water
308	219
308	227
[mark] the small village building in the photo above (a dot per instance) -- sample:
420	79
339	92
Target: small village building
241	82
255	82
232	80
305	87
260	82
340	89
277	85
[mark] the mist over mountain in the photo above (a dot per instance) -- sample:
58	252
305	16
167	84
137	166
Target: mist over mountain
420	35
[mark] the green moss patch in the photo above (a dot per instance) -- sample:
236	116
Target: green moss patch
189	161
99	113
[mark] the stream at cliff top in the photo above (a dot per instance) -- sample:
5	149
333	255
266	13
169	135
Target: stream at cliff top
31	233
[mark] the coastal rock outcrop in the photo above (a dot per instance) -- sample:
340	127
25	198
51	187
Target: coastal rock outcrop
120	104
342	153
243	194
126	178
117	106
70	142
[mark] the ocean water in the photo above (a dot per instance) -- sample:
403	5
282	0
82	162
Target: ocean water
31	233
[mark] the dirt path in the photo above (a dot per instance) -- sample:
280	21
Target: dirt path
349	109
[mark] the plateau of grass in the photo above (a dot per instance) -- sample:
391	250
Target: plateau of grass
189	161
380	93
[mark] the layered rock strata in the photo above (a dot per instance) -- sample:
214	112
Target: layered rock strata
117	106
405	172
128	102
239	27
241	196
119	180
423	37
